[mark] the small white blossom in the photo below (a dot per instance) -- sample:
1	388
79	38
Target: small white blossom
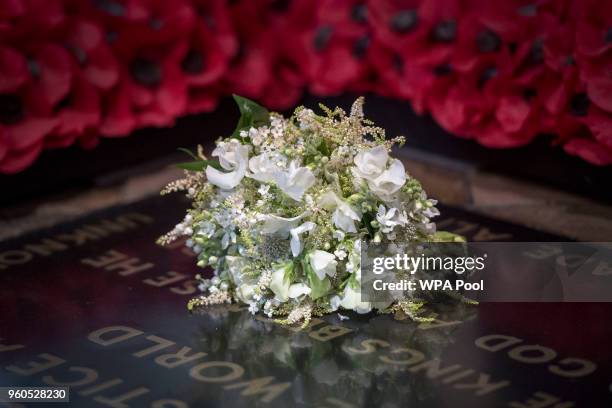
340	254
253	308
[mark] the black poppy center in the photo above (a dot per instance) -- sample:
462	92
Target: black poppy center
146	72
34	68
280	5
398	63
487	75
579	104
442	70
113	8
608	36
11	109
361	46
529	94
78	53
156	24
322	37
528	10
445	31
404	21
536	53
488	41
359	13
193	63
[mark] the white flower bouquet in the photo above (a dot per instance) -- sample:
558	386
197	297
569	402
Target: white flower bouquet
281	210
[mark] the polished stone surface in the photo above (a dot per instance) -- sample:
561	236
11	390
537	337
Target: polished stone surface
96	305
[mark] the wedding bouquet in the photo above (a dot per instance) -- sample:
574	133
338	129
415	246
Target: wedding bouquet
282	209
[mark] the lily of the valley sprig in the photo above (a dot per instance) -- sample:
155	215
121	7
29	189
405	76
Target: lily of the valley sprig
281	209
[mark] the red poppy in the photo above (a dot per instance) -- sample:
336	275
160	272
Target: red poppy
205	55
86	41
330	49
594	28
25	20
151	92
78	113
27	98
589	150
425	32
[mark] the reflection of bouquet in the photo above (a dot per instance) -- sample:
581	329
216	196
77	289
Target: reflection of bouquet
281	211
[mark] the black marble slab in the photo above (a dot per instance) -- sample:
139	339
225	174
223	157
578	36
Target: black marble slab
94	304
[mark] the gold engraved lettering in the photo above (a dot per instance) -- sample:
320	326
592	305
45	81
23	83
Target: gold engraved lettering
367	346
179	358
482	386
235	371
329	332
125	333
35	367
108	258
541	400
523	354
101	387
260	386
164	280
496	342
161	344
118	401
129	266
168	403
188	287
432	368
582	367
89	376
15	257
10	347
46	247
415	356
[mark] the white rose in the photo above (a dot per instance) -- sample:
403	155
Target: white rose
370	164
383	181
233	157
295	181
344	216
389	181
264	167
322	263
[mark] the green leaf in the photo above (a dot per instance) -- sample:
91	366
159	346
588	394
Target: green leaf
251	115
189	152
445	236
199	165
318	287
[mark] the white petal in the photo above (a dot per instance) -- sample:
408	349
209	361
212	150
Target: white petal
296	243
323	263
343	222
225	181
371	163
279	285
391	179
274	224
298	289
